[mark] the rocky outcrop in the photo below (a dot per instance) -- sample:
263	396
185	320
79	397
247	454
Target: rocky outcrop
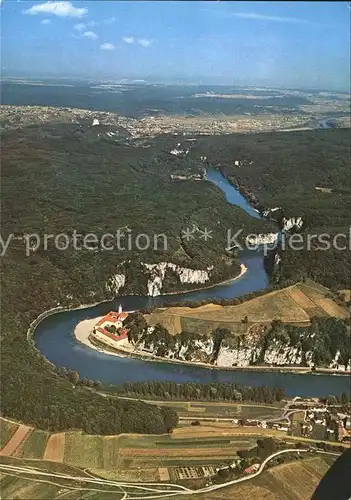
192	349
294	223
155	275
277	354
335	364
186	275
240	356
115	283
273	214
178	151
252	348
262	239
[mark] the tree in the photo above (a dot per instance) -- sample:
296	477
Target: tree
344	398
266	447
331	400
136	325
170	418
73	377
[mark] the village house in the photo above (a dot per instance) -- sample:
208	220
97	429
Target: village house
253	468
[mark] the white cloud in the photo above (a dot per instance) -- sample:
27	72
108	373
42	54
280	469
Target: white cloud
107	46
110	20
264	17
144	42
90	34
129	39
60	9
79	27
45	21
82	26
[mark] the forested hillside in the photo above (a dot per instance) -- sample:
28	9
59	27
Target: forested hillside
61	178
57	179
307	174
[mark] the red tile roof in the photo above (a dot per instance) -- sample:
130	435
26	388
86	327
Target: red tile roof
113	317
112	336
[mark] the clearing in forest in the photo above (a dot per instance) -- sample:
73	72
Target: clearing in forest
295	304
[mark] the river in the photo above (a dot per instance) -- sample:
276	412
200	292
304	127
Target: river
55	339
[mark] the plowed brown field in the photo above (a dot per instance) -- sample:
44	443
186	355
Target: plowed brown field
55	448
19	436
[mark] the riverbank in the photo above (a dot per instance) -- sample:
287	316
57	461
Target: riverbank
60	309
124	350
243	270
55	339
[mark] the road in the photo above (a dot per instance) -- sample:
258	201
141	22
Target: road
130	491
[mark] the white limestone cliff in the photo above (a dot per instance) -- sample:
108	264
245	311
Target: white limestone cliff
115	283
292	223
186	275
262	239
156	275
270	211
179	151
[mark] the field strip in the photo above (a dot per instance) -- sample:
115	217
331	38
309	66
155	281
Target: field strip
331	308
214	431
301	298
55	447
15	441
178	452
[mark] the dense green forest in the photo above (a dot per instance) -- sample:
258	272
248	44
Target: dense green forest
323	338
205	392
61	178
284	170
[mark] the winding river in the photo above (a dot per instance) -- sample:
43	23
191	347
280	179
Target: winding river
54	335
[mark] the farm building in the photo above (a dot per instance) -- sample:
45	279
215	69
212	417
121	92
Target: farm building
253	468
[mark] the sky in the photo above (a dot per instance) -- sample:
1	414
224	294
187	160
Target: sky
281	44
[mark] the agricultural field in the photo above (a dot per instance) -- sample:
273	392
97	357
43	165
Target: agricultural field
345	293
84	450
206	410
317	294
55	448
290	481
7	429
187	445
25	487
295	304
17	439
34	446
134	457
